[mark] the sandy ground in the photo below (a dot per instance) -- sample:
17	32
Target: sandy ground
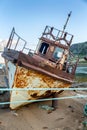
68	116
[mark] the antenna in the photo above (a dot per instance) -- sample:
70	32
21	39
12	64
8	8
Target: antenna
67	20
64	27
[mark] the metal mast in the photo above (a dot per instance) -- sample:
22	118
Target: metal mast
64	27
67	20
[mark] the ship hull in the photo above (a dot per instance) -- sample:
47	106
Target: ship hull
22	78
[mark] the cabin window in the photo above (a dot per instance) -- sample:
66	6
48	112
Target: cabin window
43	48
57	53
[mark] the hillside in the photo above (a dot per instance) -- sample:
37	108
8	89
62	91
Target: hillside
79	49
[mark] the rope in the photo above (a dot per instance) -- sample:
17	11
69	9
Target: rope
42	89
47	99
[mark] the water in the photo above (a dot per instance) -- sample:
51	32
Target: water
81	70
81	74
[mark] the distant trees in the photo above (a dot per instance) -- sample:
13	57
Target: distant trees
79	49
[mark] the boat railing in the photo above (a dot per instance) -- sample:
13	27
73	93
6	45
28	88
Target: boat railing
27	50
15	42
72	63
55	34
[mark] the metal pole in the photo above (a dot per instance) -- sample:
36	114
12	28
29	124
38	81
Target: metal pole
64	27
67	20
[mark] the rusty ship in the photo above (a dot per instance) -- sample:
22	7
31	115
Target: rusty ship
49	66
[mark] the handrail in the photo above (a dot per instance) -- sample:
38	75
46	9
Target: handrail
11	38
50	31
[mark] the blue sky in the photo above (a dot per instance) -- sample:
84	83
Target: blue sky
29	17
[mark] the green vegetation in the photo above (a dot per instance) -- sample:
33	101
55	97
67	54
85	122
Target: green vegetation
81	77
80	50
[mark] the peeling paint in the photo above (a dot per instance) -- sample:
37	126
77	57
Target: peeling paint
25	78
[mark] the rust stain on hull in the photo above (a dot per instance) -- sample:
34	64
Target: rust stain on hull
26	78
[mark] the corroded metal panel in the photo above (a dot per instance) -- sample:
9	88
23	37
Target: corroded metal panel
26	78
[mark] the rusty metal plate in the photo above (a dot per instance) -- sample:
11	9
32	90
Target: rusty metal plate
25	78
